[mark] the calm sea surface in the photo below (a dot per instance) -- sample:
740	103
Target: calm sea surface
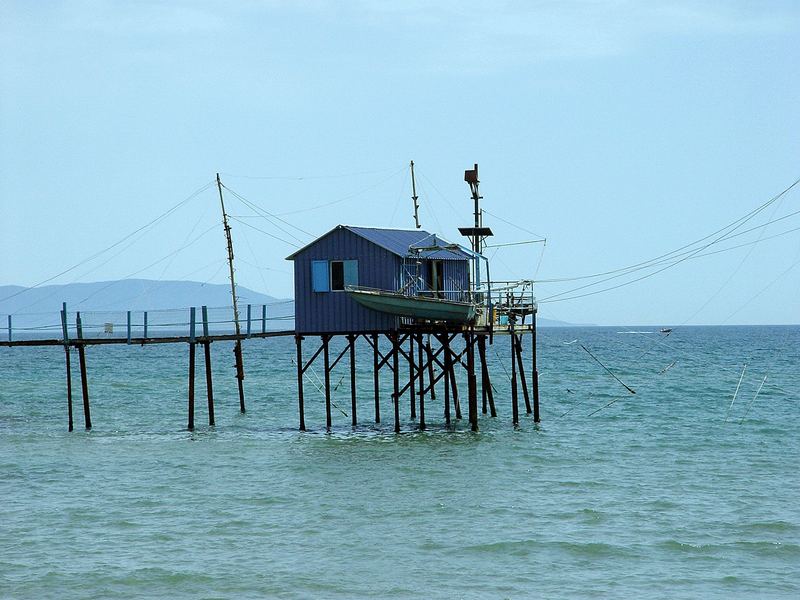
657	495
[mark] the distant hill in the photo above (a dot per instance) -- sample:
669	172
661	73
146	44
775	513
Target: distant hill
125	294
542	322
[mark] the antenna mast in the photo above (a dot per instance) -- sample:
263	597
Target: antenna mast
478	233
414	196
237	350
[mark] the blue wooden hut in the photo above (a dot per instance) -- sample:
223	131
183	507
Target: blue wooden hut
415	262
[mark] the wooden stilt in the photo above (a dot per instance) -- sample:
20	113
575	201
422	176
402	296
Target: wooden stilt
65	336
447	367
411	377
209	382
207	356
421	375
514	399
87	414
486	381
299	342
192	357
237	351
535	372
352	341
192	351
327	366
69	389
453	384
376	378
430	367
472	384
518	345
396	377
484	387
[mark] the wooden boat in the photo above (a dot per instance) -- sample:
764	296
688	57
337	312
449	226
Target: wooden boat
419	307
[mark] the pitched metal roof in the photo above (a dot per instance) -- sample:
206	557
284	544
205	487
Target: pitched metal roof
399	241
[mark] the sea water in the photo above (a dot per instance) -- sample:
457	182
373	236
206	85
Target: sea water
670	492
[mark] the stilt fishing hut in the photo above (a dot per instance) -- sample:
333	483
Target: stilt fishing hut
420	292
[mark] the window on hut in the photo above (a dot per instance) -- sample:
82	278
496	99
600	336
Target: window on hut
333	275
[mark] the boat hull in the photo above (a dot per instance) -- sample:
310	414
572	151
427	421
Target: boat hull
431	309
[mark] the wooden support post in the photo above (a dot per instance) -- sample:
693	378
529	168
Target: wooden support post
192	351
445	341
207	356
453	384
299	341
429	351
69	388
535	372
129	326
237	352
376	378
65	333
192	358
144	325
514	400
520	366
249	318
486	381
352	341
209	382
396	377
263	318
327	367
9	329
411	377
472	384
87	414
421	374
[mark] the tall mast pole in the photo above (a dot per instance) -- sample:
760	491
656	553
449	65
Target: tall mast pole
473	186
414	196
237	350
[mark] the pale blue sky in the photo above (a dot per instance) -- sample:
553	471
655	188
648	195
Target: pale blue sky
619	130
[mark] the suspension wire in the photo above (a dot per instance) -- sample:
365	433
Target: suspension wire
691	255
429	204
160	284
307	177
743	220
513	224
609	371
152	264
161	217
267	214
750	404
267	233
445	198
345	198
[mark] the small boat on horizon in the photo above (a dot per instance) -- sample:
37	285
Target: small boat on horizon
666	330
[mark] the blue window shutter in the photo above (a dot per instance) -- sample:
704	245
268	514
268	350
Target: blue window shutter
320	281
351	272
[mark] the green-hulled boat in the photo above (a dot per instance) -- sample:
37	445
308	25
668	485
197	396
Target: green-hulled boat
419	307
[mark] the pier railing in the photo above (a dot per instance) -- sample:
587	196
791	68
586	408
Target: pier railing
198	321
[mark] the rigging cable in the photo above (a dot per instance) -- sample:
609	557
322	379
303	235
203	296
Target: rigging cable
115	244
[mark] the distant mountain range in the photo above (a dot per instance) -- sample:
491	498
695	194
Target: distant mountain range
143	294
125	294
